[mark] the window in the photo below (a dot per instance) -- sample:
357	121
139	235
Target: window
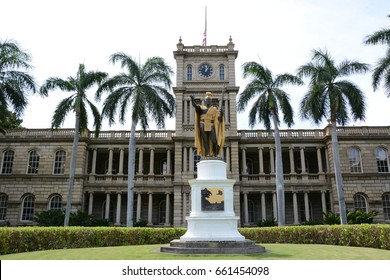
55	202
8	161
196	160
354	160
221	72
382	160
3	206
33	163
386	206
359	202
189	73
59	162
28	208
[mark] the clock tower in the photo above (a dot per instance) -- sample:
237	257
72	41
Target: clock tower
201	69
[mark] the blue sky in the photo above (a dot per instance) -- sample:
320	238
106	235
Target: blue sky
280	34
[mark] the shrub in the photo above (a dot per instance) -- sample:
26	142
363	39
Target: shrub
267	223
141	223
57	217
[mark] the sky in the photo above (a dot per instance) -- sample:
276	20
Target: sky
280	34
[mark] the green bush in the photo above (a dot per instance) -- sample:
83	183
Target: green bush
267	223
26	239
57	217
141	223
358	216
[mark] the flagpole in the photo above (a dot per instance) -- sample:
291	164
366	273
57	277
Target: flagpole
205	28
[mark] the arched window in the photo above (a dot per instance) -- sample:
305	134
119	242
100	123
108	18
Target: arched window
221	72
386	206
55	202
33	162
359	202
28	208
355	163
3	206
59	162
189	73
7	162
382	159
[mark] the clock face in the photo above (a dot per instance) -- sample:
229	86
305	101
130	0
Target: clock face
205	71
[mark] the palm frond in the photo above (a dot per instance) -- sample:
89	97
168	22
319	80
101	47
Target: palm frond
62	109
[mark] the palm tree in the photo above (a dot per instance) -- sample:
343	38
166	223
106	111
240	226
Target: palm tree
144	90
15	81
77	103
382	68
271	99
328	98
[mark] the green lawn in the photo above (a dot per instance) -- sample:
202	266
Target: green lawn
151	252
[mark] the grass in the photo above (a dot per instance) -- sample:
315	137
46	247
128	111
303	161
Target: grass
151	252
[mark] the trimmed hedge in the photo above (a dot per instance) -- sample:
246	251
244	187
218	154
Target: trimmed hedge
364	235
26	239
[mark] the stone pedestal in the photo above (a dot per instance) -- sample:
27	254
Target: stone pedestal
212	224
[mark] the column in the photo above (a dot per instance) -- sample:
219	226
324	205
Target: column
168	162
90	204
118	209
323	201
261	161
272	159
244	169
167	209
141	161
151	164
139	203
295	207
121	160
185	111
184	207
94	156
307	208
191	156
226	112
292	161
228	158
110	158
192	114
274	205
185	159
246	213
303	162
319	159
150	209
263	207
107	210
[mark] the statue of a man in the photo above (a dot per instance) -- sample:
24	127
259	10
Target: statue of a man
209	128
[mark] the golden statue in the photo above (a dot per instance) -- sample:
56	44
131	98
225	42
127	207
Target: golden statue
209	128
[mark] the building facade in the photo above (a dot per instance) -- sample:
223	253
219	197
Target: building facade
34	168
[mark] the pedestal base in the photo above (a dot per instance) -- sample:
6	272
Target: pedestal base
212	229
212	247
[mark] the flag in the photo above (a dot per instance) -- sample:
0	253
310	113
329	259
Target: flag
205	28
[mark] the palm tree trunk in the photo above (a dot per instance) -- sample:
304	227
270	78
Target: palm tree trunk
337	173
131	174
72	170
279	174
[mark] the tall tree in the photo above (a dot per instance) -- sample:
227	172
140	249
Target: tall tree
8	120
270	102
77	103
15	80
328	98
144	90
382	68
